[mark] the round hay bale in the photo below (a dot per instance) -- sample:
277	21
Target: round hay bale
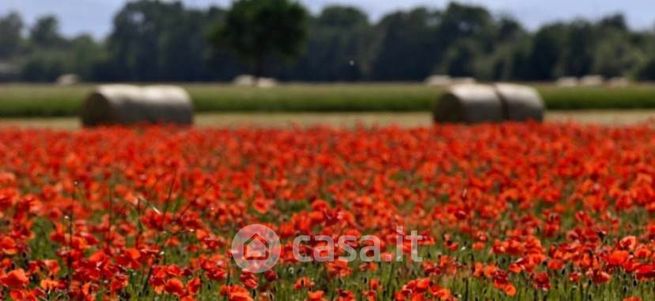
126	104
567	82
462	80
244	80
520	103
68	80
265	82
591	81
469	103
438	80
618	82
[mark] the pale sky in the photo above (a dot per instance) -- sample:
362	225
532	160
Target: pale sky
95	16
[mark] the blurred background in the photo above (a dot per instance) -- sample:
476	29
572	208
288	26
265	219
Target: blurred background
326	56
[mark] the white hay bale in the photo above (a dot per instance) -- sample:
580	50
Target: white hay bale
8	70
618	82
462	81
591	81
566	81
520	103
68	80
244	80
127	104
438	80
265	82
469	103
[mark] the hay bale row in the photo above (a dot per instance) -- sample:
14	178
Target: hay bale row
439	80
618	82
567	81
68	80
127	104
246	80
265	82
463	80
475	103
592	81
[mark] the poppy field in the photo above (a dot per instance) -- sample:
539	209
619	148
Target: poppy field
555	211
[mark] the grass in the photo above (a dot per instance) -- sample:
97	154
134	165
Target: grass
315	98
28	100
584	98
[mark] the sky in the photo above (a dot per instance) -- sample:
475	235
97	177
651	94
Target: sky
95	16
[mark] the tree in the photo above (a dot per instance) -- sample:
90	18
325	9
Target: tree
613	22
337	48
546	52
85	54
616	56
616	53
11	26
46	56
166	41
403	56
577	58
159	41
647	70
257	30
44	66
508	62
461	59
45	33
461	21
511	50
509	30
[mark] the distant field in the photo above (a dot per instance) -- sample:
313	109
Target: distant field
26	100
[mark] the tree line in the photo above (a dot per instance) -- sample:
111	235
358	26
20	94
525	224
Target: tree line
166	41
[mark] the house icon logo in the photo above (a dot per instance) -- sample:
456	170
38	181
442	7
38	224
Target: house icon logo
256	248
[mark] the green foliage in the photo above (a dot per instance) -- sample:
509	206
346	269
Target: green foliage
461	21
11	26
44	66
647	71
577	56
86	54
160	41
461	58
545	54
416	51
167	41
337	48
616	56
259	29
45	33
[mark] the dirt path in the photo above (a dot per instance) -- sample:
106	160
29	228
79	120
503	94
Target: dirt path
346	119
